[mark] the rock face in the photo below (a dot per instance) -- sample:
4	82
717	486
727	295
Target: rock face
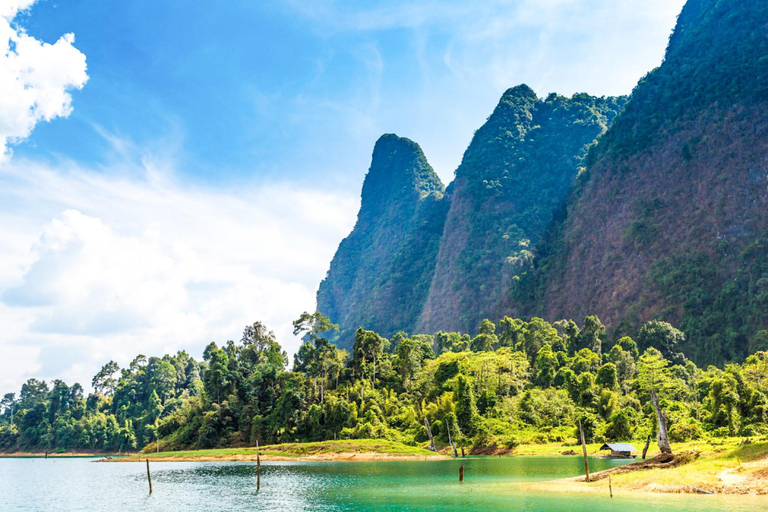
662	216
671	219
380	275
513	178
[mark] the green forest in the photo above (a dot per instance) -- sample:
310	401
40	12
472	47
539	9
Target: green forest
515	382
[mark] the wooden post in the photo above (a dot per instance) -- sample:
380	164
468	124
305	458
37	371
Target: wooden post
610	487
46	454
662	419
461	472
431	446
584	450
462	452
149	478
647	444
450	440
258	467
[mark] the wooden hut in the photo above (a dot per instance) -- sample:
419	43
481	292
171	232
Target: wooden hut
619	450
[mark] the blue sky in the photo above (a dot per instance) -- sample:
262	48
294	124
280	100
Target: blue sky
202	173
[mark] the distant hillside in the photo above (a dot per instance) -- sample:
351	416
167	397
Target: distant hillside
662	216
381	272
513	178
671	219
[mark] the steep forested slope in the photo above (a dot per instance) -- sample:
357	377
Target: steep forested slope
671	219
381	272
512	180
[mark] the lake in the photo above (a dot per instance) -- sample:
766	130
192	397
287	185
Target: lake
35	484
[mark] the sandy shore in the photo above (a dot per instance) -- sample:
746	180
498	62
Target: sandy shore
251	457
744	478
17	455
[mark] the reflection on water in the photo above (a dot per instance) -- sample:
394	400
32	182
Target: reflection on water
70	485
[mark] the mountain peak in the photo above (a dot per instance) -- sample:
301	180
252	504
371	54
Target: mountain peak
522	91
399	171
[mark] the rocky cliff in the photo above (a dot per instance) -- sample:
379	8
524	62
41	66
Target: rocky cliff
651	208
671	219
512	180
380	275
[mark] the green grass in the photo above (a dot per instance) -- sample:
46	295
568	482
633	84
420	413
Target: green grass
299	450
704	471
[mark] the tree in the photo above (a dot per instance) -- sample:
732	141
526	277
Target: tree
486	340
546	367
591	334
466	409
312	325
607	376
104	382
629	345
410	355
511	328
536	334
216	377
162	377
625	365
258	336
451	342
663	337
368	349
652	371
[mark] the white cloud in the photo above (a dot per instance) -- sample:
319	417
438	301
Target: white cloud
35	77
96	266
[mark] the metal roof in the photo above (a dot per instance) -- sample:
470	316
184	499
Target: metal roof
618	447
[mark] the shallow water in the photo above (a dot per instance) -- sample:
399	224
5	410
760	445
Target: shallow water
70	485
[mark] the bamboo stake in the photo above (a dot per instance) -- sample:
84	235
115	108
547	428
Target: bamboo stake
610	487
149	478
258	467
461	472
584	450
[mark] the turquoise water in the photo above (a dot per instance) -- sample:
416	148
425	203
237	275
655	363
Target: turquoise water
70	485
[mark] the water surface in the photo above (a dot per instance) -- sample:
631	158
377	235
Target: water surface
491	484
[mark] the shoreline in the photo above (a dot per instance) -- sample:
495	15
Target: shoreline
323	457
726	468
64	455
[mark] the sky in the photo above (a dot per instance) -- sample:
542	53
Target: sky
172	171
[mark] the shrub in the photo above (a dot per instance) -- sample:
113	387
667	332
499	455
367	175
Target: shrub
681	432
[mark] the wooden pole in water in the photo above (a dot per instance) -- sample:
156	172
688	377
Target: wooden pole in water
647	444
610	487
149	478
258	467
461	472
584	450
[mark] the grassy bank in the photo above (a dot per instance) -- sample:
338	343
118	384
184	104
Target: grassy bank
725	468
704	447
360	449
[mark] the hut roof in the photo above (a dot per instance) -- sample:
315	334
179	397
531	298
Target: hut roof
618	447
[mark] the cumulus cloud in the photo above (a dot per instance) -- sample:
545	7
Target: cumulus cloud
35	77
99	266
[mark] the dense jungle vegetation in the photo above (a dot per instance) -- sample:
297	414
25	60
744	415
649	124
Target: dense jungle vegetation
514	382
